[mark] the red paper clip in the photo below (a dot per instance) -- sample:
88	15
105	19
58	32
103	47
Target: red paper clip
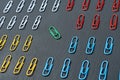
100	5
96	22
115	7
70	5
80	21
114	22
85	5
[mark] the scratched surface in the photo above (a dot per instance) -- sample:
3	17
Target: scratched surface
44	46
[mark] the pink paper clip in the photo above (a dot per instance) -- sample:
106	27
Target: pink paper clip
85	5
96	22
70	5
114	22
100	5
80	21
115	6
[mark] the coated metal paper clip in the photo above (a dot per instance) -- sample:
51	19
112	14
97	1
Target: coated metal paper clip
11	23
70	5
90	45
3	41
73	45
108	45
19	65
115	6
48	67
27	43
37	22
100	5
119	75
43	6
56	5
80	21
54	32
20	6
66	68
23	22
5	64
103	70
15	43
31	6
114	22
32	67
2	19
85	5
8	6
96	22
84	70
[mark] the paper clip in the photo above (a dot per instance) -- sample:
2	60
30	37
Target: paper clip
11	23
66	68
84	70
96	22
2	19
73	45
20	6
70	5
43	6
119	75
54	32
114	22
19	65
37	22
3	41
56	5
115	6
27	43
48	67
15	43
90	45
31	6
32	67
8	6
23	22
108	46
100	5
103	70
6	63
85	5
80	21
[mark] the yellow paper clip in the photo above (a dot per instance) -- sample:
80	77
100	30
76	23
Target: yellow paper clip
15	43
19	65
3	41
5	64
27	43
32	67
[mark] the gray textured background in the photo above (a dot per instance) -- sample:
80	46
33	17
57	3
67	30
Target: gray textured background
44	46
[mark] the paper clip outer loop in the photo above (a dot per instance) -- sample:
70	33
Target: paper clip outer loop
90	46
103	70
48	67
20	6
31	6
32	67
96	22
73	45
2	19
65	69
6	63
15	43
56	6
114	22
70	5
43	6
80	22
19	65
109	46
100	5
3	41
115	6
84	70
85	5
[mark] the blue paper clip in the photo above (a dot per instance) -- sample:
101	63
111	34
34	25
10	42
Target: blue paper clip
103	70
65	69
73	45
119	75
90	45
108	46
84	70
48	67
